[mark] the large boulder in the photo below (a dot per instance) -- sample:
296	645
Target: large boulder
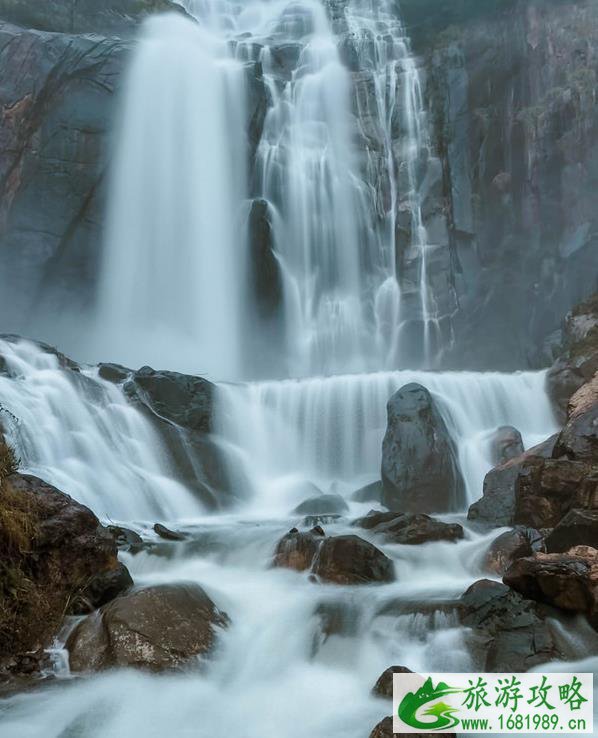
297	550
506	444
496	507
512	545
383	686
568	581
55	559
156	628
351	560
420	472
507	631
577	528
409	529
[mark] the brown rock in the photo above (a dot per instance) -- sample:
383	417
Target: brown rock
409	529
577	528
297	550
510	546
383	687
351	560
156	628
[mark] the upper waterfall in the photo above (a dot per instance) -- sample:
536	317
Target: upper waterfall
340	163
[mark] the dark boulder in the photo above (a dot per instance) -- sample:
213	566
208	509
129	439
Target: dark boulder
420	472
409	529
55	559
182	399
126	539
167	534
115	373
383	687
506	444
508	632
577	528
297	550
568	581
156	628
330	504
579	438
510	546
496	507
351	560
265	274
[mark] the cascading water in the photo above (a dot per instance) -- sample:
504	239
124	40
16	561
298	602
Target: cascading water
329	431
80	434
172	273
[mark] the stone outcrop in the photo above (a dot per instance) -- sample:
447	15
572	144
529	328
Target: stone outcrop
55	559
510	546
577	528
507	444
568	581
497	504
383	686
156	628
409	529
508	632
420	472
334	559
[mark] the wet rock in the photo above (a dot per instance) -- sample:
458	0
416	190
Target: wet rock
507	444
510	546
178	398
383	687
312	520
264	267
156	628
369	493
330	504
419	465
546	489
336	618
579	438
126	539
55	559
566	580
496	507
114	373
351	560
297	550
508	632
167	534
577	528
409	529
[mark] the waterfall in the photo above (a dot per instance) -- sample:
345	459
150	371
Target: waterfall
328	431
171	280
81	434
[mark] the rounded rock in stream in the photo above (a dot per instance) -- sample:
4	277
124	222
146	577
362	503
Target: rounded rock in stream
419	463
156	628
383	686
330	504
351	560
408	529
297	550
510	546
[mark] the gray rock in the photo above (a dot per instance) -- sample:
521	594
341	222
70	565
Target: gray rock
420	472
507	444
156	628
329	504
577	528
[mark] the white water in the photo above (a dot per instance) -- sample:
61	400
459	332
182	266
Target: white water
173	267
329	430
173	293
79	433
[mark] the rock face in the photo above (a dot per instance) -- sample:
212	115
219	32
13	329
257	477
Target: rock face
577	528
497	505
509	632
155	628
409	529
56	556
568	581
419	465
510	546
337	559
351	560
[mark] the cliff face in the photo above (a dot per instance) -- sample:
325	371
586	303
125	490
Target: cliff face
514	102
510	185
